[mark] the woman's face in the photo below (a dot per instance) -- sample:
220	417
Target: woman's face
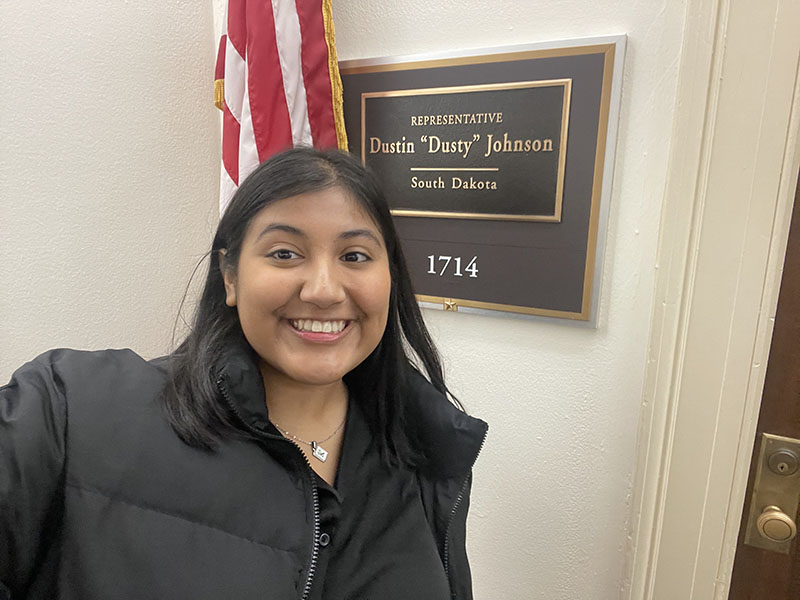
312	286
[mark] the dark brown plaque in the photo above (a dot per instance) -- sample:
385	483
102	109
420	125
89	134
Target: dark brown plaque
494	167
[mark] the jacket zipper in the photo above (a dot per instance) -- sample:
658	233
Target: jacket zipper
459	500
312	567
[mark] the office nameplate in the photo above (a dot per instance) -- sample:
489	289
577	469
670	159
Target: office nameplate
491	151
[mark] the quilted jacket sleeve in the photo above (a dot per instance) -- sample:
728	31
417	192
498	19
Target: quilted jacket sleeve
32	430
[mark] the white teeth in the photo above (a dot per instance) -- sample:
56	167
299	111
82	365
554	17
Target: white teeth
319	326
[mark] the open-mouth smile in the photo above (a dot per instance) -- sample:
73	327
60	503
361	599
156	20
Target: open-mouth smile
319	331
314	326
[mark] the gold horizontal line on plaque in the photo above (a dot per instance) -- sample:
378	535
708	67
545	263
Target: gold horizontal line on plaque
452	304
402	212
454	169
460	89
344	69
483	87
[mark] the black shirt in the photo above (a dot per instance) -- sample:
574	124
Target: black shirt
375	542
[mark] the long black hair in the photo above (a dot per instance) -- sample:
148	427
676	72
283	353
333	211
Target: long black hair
380	382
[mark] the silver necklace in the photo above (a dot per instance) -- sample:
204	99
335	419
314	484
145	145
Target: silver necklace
317	451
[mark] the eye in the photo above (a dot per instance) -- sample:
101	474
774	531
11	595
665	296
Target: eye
355	257
283	254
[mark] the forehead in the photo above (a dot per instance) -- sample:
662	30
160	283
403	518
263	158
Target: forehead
329	208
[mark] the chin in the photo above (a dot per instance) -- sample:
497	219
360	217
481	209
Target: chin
317	378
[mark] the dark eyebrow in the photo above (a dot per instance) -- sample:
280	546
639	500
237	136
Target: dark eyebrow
281	227
345	235
352	233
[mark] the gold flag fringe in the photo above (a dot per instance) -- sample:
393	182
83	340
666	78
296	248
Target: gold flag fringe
219	93
336	80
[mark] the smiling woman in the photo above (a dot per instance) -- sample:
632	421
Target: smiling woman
311	290
289	448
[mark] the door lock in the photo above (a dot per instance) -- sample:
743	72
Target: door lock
773	507
783	462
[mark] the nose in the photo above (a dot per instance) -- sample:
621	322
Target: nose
321	285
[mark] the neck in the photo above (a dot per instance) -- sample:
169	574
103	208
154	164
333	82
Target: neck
300	407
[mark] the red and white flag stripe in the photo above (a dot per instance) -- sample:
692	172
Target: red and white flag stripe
277	84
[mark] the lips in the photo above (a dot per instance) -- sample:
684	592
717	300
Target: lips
318	326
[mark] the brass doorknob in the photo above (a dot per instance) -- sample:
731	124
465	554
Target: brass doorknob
776	525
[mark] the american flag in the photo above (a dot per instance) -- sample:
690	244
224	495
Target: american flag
277	84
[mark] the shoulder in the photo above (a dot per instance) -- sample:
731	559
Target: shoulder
73	370
74	382
109	406
59	369
65	400
81	362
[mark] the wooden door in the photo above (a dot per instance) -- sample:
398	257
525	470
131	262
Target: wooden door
760	574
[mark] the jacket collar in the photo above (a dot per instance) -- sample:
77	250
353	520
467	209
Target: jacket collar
449	439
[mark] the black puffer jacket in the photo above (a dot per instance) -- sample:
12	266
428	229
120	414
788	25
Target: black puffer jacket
99	499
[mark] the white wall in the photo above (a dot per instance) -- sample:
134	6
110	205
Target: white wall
108	195
552	488
108	171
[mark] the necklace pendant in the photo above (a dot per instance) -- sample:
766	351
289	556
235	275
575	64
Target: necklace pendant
319	452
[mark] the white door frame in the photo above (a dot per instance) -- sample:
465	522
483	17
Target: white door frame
733	168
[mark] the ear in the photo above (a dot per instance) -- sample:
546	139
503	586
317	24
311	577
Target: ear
229	277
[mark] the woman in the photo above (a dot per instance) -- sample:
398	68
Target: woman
287	449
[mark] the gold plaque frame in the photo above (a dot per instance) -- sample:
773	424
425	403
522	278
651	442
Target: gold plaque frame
562	147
